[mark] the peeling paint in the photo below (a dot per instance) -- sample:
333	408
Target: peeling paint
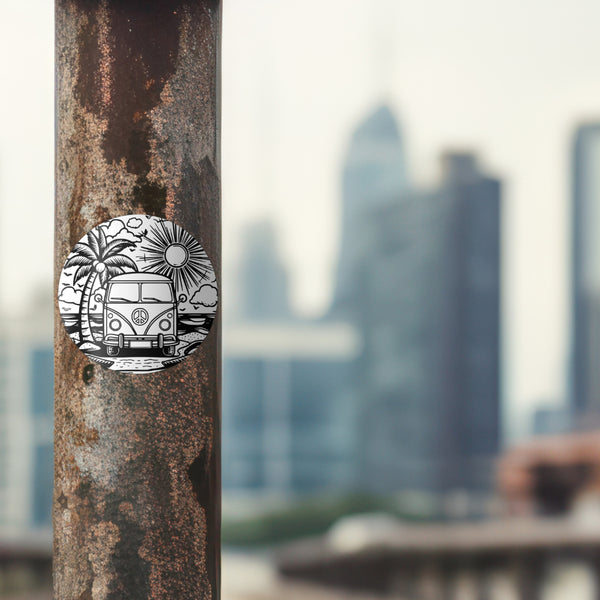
137	488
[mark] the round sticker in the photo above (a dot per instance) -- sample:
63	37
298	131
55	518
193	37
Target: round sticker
137	294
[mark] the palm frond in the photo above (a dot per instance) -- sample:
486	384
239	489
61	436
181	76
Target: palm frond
118	260
113	271
82	272
77	260
93	242
116	246
85	250
102	238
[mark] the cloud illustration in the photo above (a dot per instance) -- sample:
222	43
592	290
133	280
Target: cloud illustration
206	295
71	295
116	230
134	222
125	234
113	228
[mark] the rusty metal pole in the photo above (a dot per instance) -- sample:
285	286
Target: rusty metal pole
137	472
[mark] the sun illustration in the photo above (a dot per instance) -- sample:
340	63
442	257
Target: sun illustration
171	251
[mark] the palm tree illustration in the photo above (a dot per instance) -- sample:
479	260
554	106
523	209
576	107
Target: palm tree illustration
97	258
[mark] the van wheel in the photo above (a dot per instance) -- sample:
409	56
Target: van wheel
112	350
169	350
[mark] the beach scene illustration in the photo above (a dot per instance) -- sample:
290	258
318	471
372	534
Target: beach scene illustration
137	294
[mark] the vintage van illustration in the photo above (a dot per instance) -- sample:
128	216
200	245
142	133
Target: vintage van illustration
140	311
137	294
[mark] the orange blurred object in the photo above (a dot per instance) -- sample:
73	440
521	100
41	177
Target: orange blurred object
550	475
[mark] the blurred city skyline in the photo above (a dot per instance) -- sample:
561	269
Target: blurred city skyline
496	89
513	97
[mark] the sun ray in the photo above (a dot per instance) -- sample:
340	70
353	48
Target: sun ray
173	252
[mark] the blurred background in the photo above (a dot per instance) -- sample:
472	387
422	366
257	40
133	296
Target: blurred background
411	318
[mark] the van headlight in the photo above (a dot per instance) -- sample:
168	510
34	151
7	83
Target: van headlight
165	324
115	324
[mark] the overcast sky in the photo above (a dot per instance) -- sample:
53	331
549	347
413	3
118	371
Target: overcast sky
509	80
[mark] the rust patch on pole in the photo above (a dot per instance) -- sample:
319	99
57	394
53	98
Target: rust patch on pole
137	483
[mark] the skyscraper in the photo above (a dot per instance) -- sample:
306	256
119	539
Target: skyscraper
419	275
374	175
401	314
41	389
470	436
26	405
289	415
585	289
264	293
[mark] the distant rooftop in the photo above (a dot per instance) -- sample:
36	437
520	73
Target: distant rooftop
460	167
335	341
378	125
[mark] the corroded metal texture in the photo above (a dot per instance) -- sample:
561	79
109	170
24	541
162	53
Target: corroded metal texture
137	485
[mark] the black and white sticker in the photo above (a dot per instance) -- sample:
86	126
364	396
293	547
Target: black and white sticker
137	294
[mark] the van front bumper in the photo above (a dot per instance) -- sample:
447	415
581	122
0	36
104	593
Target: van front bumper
140	341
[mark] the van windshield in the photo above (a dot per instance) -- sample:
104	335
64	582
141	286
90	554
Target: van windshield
123	292
157	292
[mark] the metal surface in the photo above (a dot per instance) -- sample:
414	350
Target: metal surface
137	487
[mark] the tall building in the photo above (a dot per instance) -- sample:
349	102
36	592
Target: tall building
400	310
471	432
289	414
422	284
41	391
585	289
399	387
374	174
289	411
26	406
264	293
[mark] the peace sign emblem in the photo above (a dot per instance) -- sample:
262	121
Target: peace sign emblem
139	316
